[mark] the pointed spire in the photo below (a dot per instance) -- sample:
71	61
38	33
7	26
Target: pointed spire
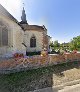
23	17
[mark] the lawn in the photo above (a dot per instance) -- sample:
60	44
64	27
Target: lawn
34	79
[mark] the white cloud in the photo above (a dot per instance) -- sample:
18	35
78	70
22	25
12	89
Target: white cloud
13	6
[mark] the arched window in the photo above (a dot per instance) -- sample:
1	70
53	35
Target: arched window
33	42
3	36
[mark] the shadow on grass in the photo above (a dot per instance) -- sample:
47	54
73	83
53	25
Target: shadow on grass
34	79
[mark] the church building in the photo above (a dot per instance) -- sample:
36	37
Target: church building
20	36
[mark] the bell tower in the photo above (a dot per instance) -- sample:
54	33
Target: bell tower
23	17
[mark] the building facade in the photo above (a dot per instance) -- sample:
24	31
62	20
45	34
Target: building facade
20	36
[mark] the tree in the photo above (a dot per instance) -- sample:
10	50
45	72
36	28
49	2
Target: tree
56	44
64	46
75	43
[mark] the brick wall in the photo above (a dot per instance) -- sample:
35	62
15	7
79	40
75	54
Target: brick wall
21	64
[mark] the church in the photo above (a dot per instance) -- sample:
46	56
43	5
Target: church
20	36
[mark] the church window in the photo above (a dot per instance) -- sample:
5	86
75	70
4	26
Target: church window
33	42
3	36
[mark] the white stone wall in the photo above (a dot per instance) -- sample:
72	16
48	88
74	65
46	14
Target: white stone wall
18	36
5	49
39	39
15	37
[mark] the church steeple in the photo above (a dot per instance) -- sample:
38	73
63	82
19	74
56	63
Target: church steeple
23	17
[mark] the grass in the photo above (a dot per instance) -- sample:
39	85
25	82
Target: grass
13	77
31	78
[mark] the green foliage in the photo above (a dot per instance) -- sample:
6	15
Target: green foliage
56	44
51	44
30	79
75	43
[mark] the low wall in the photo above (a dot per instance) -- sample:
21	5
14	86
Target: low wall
65	58
33	62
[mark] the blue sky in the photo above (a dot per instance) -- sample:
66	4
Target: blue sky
61	17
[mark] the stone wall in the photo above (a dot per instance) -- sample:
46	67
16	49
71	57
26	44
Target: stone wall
15	37
33	62
39	37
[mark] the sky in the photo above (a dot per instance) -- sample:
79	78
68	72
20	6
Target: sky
60	17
